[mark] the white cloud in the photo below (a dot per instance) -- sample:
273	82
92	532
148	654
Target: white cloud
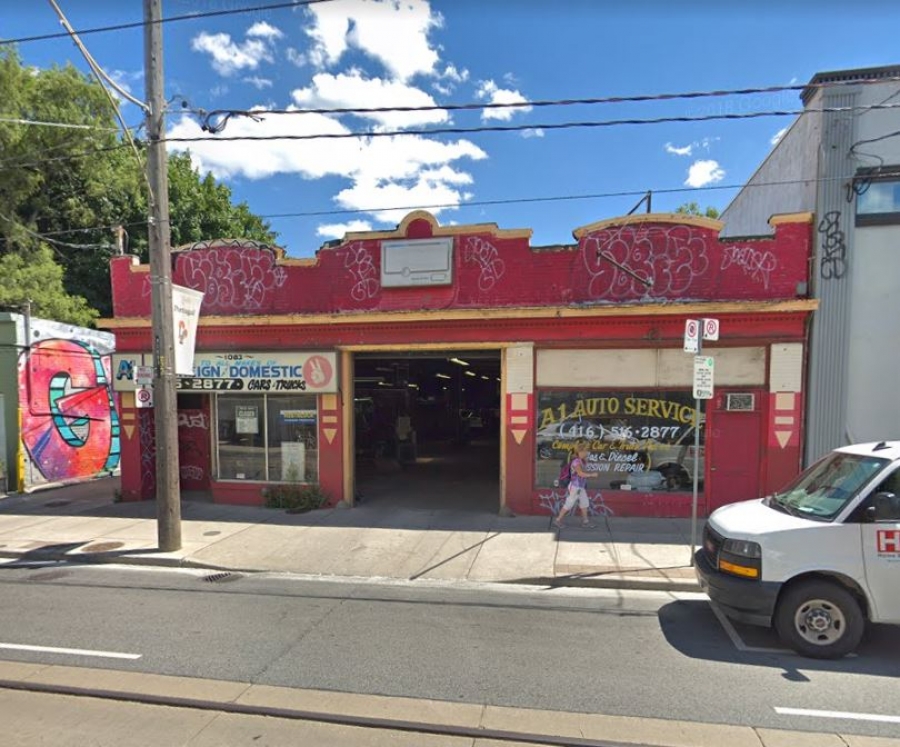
296	58
123	80
702	173
384	172
353	89
265	31
449	79
338	230
228	57
489	90
688	150
675	150
395	34
258	82
776	138
532	132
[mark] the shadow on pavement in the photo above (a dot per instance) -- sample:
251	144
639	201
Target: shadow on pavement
691	627
97	499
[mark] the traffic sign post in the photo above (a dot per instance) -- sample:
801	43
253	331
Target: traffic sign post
692	336
695	331
704	367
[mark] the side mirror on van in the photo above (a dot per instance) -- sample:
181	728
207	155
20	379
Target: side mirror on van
885	507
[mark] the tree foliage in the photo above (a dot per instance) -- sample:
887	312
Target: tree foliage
692	208
34	276
68	188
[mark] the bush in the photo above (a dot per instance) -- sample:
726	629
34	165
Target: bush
295	498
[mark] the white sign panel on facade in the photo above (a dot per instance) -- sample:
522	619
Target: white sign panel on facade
410	263
185	316
691	336
703	376
710	329
310	373
143	375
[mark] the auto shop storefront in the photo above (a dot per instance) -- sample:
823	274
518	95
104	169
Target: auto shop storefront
481	357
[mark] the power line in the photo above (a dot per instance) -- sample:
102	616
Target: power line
225	114
519	128
18	164
64	125
170	19
550	198
469	203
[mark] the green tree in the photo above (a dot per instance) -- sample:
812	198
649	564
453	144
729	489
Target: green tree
33	276
69	187
692	208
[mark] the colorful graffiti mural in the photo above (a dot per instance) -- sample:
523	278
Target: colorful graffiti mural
69	425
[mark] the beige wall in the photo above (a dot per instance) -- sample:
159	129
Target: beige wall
647	368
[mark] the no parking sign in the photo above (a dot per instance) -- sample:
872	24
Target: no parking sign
143	397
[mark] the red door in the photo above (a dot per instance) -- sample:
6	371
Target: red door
733	453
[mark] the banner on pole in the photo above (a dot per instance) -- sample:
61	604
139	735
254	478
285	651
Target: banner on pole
185	315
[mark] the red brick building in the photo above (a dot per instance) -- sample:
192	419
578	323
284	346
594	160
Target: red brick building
432	356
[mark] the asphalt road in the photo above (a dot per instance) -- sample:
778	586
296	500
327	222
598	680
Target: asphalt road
647	654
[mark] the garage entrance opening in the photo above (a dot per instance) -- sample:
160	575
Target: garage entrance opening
427	429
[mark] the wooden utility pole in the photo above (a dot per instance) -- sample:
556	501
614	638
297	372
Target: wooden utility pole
168	495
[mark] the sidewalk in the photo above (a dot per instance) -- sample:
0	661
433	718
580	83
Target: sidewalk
83	523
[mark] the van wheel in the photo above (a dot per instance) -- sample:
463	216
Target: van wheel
819	619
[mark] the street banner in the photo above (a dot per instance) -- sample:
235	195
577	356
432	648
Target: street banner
185	316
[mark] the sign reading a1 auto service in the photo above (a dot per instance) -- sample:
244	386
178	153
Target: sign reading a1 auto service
263	372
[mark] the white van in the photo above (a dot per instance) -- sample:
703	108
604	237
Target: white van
817	559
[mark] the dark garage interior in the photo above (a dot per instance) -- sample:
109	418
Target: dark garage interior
427	429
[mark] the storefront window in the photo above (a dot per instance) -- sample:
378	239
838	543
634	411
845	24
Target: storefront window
293	448
267	438
642	440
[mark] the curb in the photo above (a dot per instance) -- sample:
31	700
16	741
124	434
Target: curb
633	583
585	582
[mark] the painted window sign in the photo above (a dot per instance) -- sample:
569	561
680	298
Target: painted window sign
640	440
263	372
246	419
298	416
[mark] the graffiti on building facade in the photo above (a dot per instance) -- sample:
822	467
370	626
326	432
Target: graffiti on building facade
70	427
233	278
364	276
758	265
834	248
638	261
553	500
485	255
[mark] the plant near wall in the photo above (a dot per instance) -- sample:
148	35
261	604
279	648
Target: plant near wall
293	496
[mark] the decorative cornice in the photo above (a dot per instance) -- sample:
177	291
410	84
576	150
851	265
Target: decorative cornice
480	315
628	220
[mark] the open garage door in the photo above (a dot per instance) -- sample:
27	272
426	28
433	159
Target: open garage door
427	429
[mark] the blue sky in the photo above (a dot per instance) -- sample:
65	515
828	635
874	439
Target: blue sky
368	53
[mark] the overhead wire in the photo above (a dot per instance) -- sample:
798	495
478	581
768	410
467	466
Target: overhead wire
170	19
101	76
225	114
532	126
549	198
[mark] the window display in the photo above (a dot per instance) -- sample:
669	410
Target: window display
636	440
267	438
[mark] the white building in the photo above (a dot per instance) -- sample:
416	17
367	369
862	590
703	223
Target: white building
841	161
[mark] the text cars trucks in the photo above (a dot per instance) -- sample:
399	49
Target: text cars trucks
817	559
